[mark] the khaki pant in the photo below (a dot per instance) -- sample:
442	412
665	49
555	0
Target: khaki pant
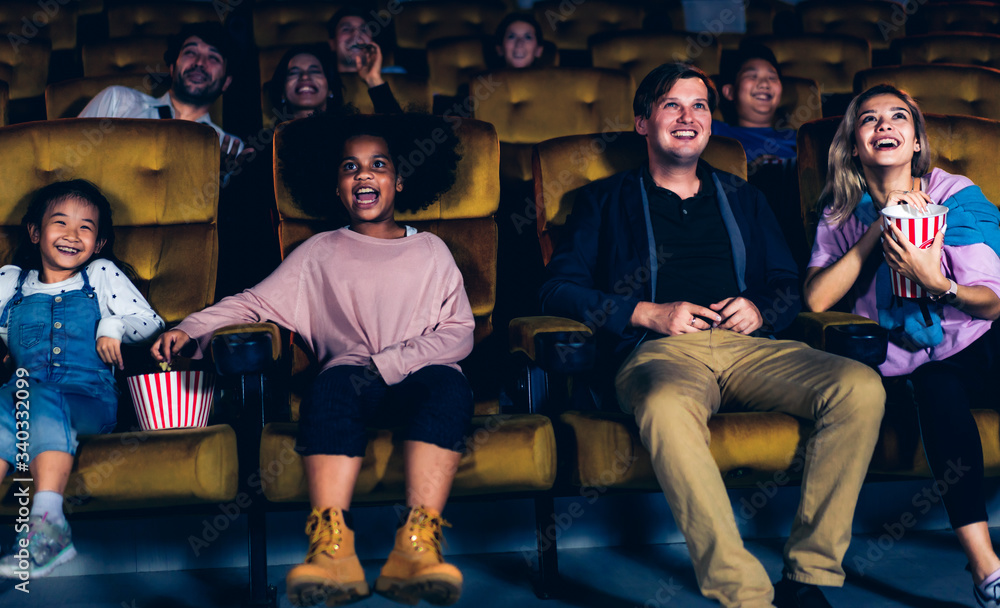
673	386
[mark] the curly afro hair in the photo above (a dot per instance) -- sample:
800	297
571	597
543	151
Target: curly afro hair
423	148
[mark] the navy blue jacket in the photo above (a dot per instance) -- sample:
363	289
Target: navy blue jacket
603	264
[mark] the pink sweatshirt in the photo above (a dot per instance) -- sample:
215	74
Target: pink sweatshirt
400	302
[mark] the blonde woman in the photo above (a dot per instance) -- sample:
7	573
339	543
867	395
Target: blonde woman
944	343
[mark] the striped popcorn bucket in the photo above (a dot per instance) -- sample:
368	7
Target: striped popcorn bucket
172	400
918	228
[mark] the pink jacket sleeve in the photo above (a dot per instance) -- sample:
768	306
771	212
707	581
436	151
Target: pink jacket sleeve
449	341
276	299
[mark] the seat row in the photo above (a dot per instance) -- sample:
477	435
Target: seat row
166	230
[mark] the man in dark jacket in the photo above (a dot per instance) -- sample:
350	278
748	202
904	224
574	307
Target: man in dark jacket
682	271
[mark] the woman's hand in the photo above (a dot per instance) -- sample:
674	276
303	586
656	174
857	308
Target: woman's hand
110	351
369	64
169	344
920	265
916	198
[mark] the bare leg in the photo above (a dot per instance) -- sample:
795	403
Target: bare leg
975	541
331	480
429	473
51	471
4	467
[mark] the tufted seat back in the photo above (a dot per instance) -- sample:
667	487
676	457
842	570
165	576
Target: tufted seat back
25	67
147	18
981	50
570	25
941	88
131	55
162	180
529	106
452	62
563	165
829	59
287	23
24	20
959	144
420	22
638	52
878	22
981	17
67	98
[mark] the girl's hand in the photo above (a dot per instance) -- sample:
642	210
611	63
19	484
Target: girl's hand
110	351
920	265
169	344
917	198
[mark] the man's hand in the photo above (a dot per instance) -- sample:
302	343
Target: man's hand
673	318
110	351
739	314
169	344
369	64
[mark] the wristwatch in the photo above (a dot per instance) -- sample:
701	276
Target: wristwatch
947	297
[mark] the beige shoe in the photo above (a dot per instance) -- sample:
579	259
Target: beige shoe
415	569
332	573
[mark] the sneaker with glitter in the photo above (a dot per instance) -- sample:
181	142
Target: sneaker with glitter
48	545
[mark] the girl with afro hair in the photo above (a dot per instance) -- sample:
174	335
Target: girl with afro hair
384	309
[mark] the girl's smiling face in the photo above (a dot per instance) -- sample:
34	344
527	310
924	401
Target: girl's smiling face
306	86
367	182
67	238
885	135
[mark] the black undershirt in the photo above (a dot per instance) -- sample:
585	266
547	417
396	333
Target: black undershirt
695	253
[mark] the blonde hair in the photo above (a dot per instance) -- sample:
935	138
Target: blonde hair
845	178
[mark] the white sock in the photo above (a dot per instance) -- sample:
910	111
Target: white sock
50	503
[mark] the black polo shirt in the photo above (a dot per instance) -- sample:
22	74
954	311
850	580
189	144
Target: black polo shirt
696	256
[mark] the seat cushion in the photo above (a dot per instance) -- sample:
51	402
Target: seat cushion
605	449
148	469
900	452
505	454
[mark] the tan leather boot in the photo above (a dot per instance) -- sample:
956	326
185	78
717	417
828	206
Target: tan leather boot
332	573
415	569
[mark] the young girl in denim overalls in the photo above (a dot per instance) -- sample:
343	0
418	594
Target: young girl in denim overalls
67	305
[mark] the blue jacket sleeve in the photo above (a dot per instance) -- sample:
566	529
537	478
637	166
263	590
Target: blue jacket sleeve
574	287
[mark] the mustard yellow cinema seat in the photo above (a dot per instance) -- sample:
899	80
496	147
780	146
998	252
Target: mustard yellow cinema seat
529	106
294	22
979	17
570	25
962	145
23	20
941	88
829	59
868	19
24	67
418	23
162	18
131	55
982	50
452	62
638	52
67	98
519	455
154	173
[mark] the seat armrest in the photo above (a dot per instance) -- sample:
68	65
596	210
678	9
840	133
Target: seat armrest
555	344
844	334
249	348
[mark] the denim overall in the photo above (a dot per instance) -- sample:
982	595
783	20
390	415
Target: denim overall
70	390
